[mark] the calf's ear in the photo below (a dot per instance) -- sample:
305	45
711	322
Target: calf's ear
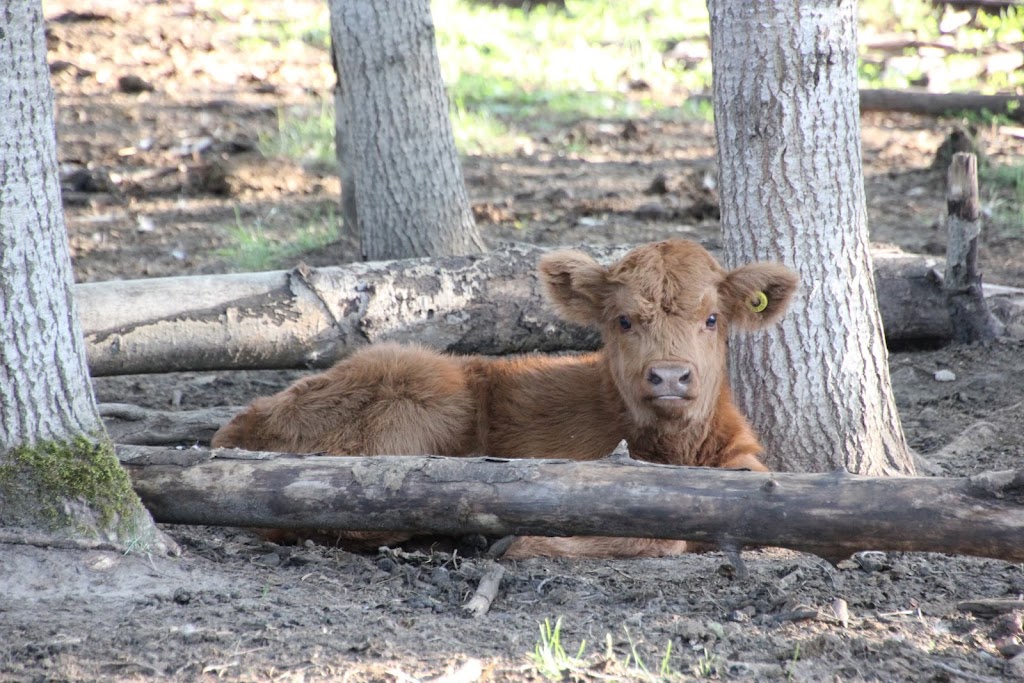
576	284
757	294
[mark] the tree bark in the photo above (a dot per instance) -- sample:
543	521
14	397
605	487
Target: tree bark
409	192
831	515
968	311
343	152
489	304
817	386
51	435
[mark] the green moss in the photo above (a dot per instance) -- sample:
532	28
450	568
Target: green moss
84	469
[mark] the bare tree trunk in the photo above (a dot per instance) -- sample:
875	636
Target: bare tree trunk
832	515
58	473
409	192
817	386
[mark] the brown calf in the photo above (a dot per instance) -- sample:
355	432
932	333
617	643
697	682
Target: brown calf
659	382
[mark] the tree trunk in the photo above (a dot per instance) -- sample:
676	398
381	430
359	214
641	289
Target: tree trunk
832	515
410	197
817	386
58	473
343	152
489	304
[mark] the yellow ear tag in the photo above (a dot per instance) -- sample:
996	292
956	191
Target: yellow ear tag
759	303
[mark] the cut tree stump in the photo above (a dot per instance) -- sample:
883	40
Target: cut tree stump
830	515
490	303
968	311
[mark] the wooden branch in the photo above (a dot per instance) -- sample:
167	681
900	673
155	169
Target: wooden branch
968	311
489	304
486	592
940	104
831	515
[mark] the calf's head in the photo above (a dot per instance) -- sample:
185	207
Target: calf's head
664	312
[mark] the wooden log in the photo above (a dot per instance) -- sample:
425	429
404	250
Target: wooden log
490	304
831	515
940	104
930	103
130	424
968	312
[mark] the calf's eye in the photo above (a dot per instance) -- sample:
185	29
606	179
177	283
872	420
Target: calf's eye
711	321
624	323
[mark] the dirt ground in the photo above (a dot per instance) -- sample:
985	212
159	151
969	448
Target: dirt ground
153	180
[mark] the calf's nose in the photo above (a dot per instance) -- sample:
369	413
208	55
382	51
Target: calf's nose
669	379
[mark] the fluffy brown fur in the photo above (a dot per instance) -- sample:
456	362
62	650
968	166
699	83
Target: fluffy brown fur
659	382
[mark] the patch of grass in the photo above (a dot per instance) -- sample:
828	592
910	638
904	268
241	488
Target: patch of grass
307	135
707	665
1003	188
277	28
511	72
303	134
549	655
791	667
594	59
969	39
255	246
553	662
479	132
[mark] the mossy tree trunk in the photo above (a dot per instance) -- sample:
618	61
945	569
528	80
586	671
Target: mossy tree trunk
788	129
59	478
402	180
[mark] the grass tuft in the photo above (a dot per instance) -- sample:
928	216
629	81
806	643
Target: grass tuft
303	134
553	662
256	246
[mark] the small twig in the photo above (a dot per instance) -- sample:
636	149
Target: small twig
966	674
990	607
481	601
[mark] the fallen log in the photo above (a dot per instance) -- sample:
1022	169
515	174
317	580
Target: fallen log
131	424
940	104
930	103
490	303
831	515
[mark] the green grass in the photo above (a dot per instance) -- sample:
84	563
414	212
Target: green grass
552	661
257	246
303	134
549	656
512	73
569	64
960	69
1002	189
